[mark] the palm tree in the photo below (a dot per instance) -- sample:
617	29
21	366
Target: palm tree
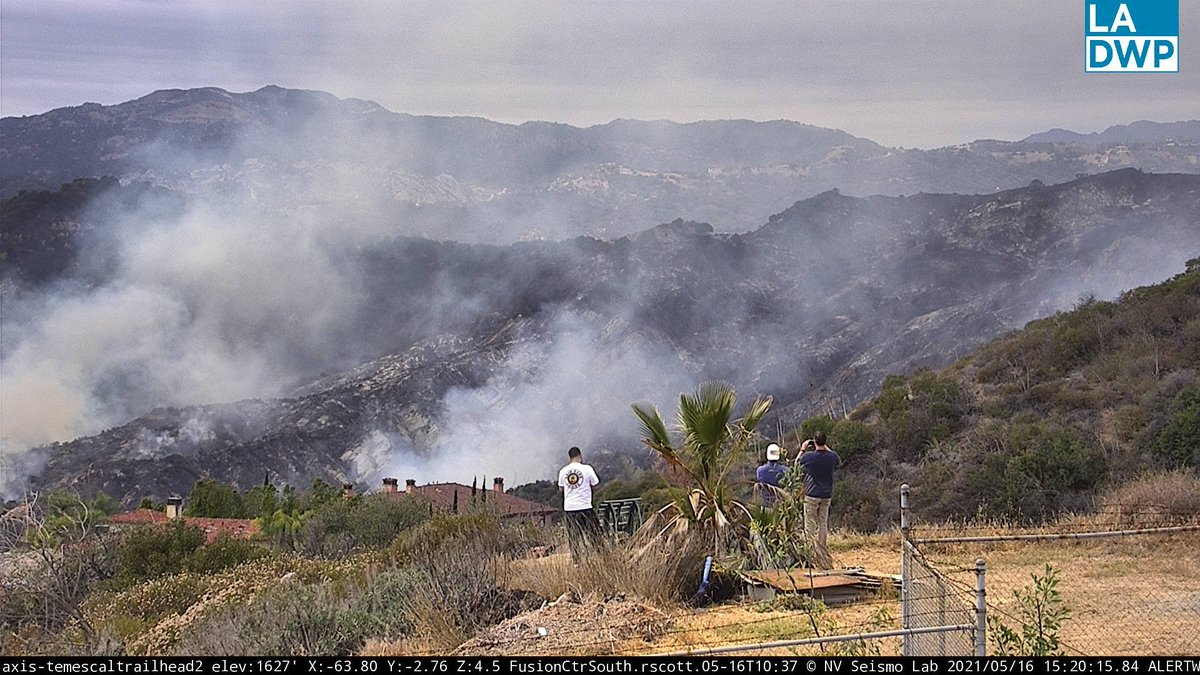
712	441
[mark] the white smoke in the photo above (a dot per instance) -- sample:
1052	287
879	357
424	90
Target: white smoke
203	309
573	389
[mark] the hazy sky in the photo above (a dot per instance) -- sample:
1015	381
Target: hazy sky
899	72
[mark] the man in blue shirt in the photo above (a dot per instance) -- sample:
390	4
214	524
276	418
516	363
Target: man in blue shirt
768	475
818	462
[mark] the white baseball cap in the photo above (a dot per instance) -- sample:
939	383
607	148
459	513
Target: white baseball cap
773	451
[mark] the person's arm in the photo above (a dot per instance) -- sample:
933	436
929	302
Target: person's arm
594	478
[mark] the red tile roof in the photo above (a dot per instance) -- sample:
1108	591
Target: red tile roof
138	517
238	528
442	495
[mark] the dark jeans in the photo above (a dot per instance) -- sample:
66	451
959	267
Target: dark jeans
583	530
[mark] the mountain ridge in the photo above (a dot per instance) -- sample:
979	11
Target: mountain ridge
817	306
1141	130
471	179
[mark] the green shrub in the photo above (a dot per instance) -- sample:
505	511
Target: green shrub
291	618
447	530
1055	457
1131	421
318	494
338	527
1032	471
1042	614
224	552
654	500
307	620
333	609
154	550
850	439
847	437
383	612
261	500
1179	441
541	491
855	505
213	499
812	425
921	411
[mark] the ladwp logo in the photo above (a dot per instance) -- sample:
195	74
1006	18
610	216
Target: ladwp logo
1134	36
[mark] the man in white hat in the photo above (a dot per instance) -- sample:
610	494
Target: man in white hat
769	474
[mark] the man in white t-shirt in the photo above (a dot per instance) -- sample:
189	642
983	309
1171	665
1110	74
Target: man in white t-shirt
575	482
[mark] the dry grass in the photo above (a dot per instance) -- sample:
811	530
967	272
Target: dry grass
757	623
659	574
1154	500
407	646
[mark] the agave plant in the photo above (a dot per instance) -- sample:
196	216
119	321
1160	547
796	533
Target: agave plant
712	441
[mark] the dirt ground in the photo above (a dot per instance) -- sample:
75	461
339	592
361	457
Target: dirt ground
1130	596
574	626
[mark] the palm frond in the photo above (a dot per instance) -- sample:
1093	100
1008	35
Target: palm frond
757	410
705	417
653	429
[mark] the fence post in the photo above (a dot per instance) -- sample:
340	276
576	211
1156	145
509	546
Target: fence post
980	607
905	573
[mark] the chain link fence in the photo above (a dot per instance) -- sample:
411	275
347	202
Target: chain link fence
929	599
1128	590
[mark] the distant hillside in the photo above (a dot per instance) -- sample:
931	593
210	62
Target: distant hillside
1037	421
1138	132
420	356
311	154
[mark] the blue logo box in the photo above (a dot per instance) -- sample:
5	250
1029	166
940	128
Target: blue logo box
1131	36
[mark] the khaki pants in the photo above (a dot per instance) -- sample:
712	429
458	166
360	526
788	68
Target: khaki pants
816	525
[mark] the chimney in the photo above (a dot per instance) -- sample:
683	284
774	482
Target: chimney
389	486
498	484
174	507
347	490
410	484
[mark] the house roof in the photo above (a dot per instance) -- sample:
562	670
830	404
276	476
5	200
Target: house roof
138	517
442	495
238	528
